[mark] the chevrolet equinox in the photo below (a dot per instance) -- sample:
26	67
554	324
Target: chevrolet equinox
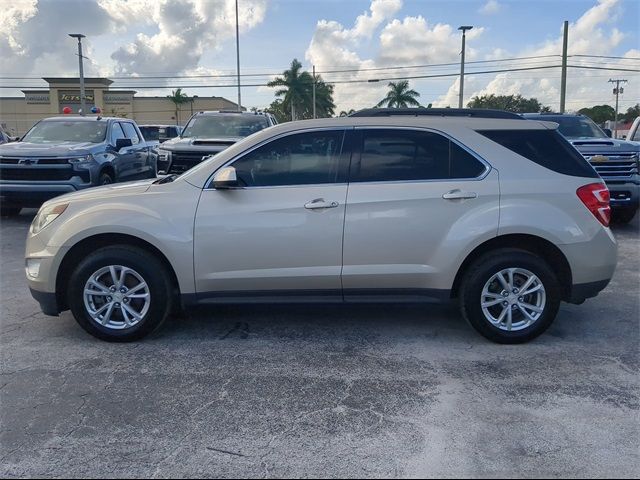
500	213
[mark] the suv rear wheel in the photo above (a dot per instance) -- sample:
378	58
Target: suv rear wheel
120	293
510	296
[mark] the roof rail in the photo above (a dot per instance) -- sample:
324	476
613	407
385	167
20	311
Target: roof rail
436	112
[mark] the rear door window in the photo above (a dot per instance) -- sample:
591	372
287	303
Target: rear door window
388	155
547	148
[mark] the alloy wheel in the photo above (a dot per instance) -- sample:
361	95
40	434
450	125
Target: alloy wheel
116	297
513	299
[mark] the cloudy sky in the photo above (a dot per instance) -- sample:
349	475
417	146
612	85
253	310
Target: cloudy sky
350	41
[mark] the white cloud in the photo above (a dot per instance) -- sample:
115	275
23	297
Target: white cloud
491	7
408	41
591	34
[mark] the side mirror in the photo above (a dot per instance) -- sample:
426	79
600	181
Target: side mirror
123	143
225	179
608	132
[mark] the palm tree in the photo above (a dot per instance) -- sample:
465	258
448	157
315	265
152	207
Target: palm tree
399	96
294	83
297	93
178	98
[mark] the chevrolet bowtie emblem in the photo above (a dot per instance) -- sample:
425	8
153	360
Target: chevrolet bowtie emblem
599	158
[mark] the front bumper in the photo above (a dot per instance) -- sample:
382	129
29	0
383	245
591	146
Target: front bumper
48	302
34	194
624	194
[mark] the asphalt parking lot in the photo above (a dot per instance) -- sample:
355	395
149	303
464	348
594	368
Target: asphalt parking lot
331	391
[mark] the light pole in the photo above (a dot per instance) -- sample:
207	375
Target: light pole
464	29
238	56
83	106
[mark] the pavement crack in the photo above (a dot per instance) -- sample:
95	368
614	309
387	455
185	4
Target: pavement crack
227	452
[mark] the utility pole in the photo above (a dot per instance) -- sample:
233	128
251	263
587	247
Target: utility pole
563	79
83	106
238	57
464	29
314	91
617	91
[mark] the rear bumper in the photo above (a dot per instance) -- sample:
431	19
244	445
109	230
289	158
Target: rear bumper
581	291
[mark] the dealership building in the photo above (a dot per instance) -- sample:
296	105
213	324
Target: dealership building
18	114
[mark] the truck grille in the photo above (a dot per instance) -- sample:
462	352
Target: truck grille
41	174
33	161
620	165
181	162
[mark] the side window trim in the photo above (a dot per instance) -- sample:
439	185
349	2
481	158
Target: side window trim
341	156
357	154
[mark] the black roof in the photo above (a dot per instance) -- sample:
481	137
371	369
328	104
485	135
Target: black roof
436	112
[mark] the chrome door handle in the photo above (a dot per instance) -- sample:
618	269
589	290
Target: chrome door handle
459	195
319	203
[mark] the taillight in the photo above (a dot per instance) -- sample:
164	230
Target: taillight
595	197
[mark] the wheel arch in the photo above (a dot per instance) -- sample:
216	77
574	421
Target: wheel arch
530	243
89	244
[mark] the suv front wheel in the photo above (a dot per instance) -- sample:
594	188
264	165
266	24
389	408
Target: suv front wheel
510	296
120	293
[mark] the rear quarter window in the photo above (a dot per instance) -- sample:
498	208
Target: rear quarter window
547	148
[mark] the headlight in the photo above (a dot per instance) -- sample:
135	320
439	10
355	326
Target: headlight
47	215
164	155
82	161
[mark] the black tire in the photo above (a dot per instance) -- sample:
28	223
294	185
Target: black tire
149	267
623	215
481	271
8	211
105	179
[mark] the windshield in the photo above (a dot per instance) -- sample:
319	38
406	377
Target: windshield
636	135
67	131
152	133
575	127
232	125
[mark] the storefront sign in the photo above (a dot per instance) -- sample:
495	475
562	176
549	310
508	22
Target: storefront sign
74	97
37	98
117	98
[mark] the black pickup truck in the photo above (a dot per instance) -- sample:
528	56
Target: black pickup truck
63	154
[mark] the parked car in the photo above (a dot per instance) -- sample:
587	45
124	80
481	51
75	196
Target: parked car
64	154
208	133
4	138
617	161
634	132
502	214
161	133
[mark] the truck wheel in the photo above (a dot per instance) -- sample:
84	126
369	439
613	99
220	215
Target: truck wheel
120	293
105	179
623	215
7	211
510	296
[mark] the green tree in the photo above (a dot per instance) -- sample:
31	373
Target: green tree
632	113
400	96
178	98
599	113
278	110
510	103
296	93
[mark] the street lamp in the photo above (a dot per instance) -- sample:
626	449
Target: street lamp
192	99
80	36
464	29
238	56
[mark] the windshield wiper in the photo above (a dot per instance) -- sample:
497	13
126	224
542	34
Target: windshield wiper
167	179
